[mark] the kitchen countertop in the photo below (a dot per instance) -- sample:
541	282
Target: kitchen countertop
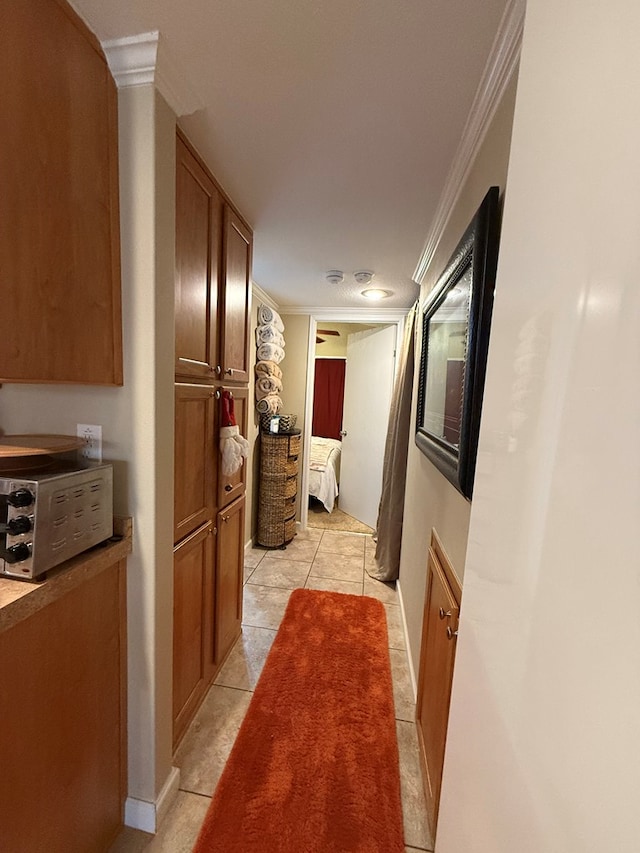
20	599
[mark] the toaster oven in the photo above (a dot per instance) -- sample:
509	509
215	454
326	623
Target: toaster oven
49	516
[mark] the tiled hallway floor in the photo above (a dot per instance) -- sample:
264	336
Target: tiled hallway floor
316	559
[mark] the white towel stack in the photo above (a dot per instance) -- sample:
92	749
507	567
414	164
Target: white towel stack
270	345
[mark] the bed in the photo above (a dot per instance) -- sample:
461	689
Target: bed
324	470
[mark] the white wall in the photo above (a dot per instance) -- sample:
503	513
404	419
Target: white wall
543	753
430	499
137	421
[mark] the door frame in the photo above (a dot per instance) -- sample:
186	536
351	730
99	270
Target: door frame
335	315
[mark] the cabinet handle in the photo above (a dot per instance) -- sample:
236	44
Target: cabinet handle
217	394
229	371
444	614
451	634
218	369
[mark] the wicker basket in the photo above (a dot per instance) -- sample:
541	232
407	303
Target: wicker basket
285	422
278	489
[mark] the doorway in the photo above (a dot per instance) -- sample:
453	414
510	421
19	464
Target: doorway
329	335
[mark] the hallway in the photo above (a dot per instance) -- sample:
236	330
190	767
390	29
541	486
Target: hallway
316	559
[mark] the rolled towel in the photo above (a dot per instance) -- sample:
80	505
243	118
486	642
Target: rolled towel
270	405
267	385
270	352
268	368
269	335
268	315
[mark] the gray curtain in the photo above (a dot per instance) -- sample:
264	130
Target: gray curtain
388	533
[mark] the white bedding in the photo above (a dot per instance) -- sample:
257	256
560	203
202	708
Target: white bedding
324	467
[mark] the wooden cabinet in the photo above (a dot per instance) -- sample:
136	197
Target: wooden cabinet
199	213
278	488
213	276
60	235
437	656
237	298
195	458
229	576
212	303
193	624
64	720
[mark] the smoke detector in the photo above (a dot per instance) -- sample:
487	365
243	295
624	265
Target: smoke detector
363	276
334	276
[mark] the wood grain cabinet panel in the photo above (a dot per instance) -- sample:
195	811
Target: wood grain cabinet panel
63	709
198	251
193	625
437	657
60	234
229	576
237	298
195	460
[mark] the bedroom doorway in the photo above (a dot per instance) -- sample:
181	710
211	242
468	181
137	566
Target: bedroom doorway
322	466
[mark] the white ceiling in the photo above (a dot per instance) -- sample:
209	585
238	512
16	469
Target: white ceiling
331	123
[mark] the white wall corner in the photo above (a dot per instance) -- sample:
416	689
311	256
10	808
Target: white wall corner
146	816
498	71
407	645
145	58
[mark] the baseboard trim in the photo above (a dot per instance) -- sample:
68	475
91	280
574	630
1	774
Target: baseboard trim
405	630
146	816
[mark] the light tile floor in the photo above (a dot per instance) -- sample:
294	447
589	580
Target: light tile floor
316	559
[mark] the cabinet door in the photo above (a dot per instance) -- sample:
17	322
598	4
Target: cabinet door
63	709
237	298
437	658
229	576
231	486
193	625
195	458
60	236
198	250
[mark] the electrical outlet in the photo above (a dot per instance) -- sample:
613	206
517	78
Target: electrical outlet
92	436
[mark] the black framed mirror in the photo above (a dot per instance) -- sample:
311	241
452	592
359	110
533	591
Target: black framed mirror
456	320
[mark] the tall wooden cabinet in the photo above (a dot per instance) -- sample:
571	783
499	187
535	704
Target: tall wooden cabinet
437	657
60	234
212	305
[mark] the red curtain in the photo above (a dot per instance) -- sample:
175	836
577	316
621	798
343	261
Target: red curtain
328	397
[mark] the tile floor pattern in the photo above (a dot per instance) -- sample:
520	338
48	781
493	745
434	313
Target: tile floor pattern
316	559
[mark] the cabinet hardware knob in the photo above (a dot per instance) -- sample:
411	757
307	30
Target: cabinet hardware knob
229	371
214	531
217	394
218	369
228	487
451	634
225	518
444	614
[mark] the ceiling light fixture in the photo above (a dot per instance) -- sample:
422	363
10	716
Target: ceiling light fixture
334	276
376	293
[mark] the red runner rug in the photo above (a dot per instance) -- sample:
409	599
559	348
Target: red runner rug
314	768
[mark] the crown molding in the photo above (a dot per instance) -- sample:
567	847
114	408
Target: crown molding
347	315
144	59
262	296
499	69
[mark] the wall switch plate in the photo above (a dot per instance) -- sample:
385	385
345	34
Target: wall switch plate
92	435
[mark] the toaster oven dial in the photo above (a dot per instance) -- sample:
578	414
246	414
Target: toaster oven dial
16	526
19	524
19	498
17	553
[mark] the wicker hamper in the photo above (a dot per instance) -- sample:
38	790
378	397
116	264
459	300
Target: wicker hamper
278	488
